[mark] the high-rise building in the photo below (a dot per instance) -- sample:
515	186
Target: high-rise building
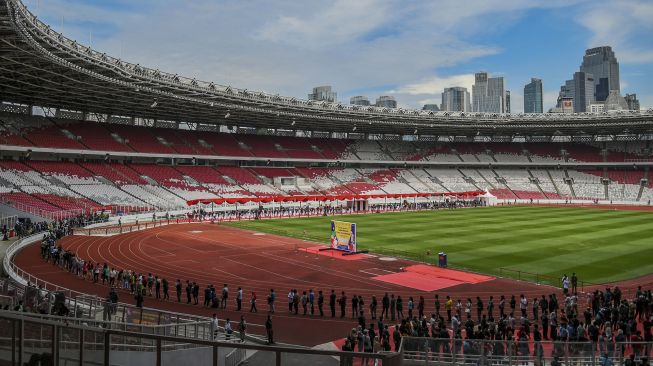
488	94
386	101
632	101
602	63
359	100
566	91
323	93
456	99
431	107
507	101
583	91
533	97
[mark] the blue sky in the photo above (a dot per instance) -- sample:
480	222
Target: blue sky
410	49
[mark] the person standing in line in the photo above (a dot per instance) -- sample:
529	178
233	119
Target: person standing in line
252	301
479	309
311	301
400	307
490	308
304	300
272	297
157	287
295	302
225	297
373	305
332	303
448	305
385	306
320	302
393	307
574	283
354	306
565	284
178	289
166	295
196	293
437	306
239	298
189	291
207	296
523	305
291	300
268	330
242	328
343	303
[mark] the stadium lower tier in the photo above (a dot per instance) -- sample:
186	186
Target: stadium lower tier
51	187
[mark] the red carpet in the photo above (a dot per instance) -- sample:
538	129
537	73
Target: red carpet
452	274
429	278
337	254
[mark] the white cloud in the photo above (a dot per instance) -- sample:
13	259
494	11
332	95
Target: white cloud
286	47
623	25
437	84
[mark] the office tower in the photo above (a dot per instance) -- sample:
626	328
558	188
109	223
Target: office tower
583	91
323	93
456	99
632	101
386	101
533	97
488	94
359	100
602	63
507	101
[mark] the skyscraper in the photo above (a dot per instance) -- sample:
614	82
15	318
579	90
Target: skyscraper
533	98
602	63
583	91
507	101
488	94
359	100
323	93
633	102
456	99
386	101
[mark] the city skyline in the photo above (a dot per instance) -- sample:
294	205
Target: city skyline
409	52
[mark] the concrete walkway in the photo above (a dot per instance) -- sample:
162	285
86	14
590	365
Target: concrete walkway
3	248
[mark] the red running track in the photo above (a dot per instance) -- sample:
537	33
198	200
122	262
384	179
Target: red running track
214	254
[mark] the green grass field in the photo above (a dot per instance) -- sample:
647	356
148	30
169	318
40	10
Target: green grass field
599	245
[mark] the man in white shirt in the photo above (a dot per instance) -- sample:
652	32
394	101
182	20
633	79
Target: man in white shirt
214	327
523	305
291	299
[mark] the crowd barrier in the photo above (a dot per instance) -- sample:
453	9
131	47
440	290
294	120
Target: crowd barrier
27	340
445	351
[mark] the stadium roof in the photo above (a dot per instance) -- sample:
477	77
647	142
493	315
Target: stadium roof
41	67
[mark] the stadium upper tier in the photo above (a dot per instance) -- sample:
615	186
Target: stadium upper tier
60	135
44	68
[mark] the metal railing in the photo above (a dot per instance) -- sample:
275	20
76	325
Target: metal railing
447	351
24	338
48	215
38	295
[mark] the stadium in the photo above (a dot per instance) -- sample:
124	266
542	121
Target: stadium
140	194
